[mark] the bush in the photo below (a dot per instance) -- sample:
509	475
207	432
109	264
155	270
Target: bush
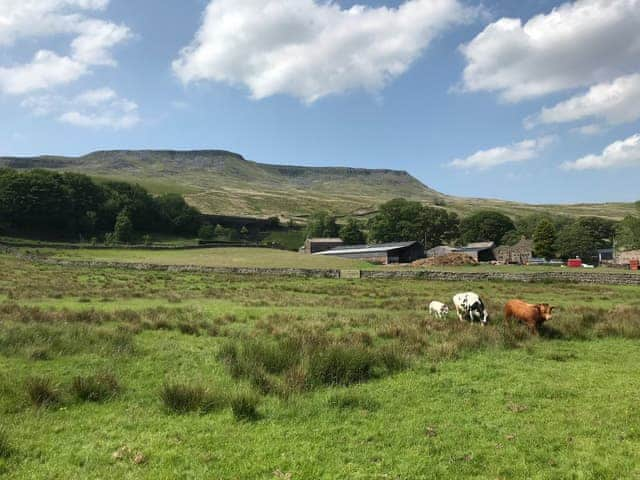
42	392
95	388
244	406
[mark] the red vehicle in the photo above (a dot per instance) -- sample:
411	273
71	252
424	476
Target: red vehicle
574	263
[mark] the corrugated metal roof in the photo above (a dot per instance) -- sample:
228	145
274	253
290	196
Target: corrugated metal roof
325	240
480	245
377	248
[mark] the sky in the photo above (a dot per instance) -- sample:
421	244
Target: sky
530	100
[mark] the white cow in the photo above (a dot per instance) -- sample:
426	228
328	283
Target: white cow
469	307
438	309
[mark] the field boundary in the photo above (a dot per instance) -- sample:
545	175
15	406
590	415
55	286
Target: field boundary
429	275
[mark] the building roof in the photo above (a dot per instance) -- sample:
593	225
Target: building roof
325	240
377	248
479	245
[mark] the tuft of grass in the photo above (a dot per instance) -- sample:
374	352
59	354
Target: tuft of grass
183	398
244	406
95	388
5	445
42	392
340	365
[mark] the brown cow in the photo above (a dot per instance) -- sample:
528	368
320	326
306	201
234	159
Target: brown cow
532	315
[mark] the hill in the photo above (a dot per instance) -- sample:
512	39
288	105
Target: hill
222	182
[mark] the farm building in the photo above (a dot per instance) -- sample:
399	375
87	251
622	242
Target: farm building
479	251
440	251
624	258
606	255
400	252
520	253
315	245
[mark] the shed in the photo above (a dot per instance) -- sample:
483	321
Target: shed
315	245
521	253
440	251
480	251
624	258
398	252
606	255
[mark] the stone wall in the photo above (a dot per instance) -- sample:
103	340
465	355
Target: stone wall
601	278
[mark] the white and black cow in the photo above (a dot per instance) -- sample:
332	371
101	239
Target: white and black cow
469	306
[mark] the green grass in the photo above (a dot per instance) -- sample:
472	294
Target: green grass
211	257
464	402
273	258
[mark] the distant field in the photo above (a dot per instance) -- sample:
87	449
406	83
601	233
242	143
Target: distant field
211	257
236	377
272	258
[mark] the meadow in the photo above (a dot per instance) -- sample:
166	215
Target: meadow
113	373
273	258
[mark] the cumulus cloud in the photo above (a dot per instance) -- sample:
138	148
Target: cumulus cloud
576	44
99	108
615	102
91	44
311	48
516	152
623	153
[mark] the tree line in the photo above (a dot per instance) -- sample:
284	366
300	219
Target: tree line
73	205
554	236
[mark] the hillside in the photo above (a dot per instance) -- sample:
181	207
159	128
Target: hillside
221	182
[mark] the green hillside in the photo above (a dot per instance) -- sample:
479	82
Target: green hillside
221	182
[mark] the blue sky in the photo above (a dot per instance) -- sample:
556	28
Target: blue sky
534	100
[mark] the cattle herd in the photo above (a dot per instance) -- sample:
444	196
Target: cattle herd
470	307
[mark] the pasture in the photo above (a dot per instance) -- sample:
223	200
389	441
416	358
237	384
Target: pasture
110	373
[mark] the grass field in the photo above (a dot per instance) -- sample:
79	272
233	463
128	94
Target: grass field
140	374
271	258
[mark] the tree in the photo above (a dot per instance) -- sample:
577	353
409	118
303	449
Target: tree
601	229
402	220
219	231
351	233
485	225
206	232
322	225
577	240
437	226
628	231
544	238
123	230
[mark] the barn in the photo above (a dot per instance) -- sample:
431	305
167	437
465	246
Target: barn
479	251
520	253
398	252
315	245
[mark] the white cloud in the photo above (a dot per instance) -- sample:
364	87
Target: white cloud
96	97
623	153
590	129
99	108
46	70
517	152
615	102
311	48
576	44
91	44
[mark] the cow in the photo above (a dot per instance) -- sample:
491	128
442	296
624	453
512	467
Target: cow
533	315
438	309
469	307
